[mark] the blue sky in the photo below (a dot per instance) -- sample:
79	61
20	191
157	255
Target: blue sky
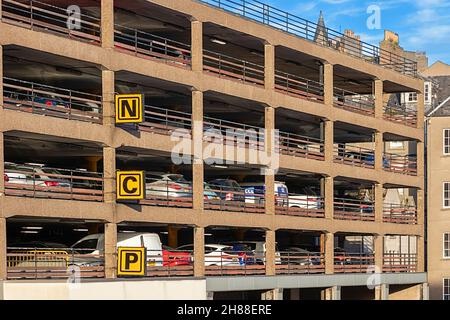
423	25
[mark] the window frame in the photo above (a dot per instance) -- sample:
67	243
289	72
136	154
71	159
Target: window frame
443	195
443	246
443	288
443	142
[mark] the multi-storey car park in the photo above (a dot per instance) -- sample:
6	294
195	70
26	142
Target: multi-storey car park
206	64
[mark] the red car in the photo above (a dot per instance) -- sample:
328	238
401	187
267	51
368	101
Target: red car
173	258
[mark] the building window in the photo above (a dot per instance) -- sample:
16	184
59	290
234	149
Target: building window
446	289
446	195
412	97
446	245
427	92
446	141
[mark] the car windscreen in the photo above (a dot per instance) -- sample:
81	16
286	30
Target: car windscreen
178	178
86	246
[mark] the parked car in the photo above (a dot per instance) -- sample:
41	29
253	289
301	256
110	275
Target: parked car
91	247
173	257
228	189
34	175
341	256
217	255
167	185
258	248
38	245
300	256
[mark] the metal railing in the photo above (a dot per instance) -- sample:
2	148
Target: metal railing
233	133
233	263
403	114
399	262
165	121
233	68
353	209
51	101
287	22
300	263
40	16
353	262
300	205
170	263
301	146
234	200
354	156
398	213
354	102
167	193
44	182
298	86
400	164
53	263
144	44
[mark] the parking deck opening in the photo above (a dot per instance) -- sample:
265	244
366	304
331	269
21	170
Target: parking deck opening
354	200
353	253
40	166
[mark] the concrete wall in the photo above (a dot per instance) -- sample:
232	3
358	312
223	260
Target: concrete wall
104	290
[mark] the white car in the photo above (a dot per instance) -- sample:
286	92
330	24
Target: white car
33	175
217	255
167	185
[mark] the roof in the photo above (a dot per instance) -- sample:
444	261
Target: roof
437	69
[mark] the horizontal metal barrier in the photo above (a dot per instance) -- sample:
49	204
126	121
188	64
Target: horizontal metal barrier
290	23
400	164
233	68
167	193
301	146
40	16
403	114
300	263
234	200
399	262
398	213
147	45
51	101
354	156
298	86
351	101
165	121
53	263
170	263
353	262
234	263
300	205
352	209
45	182
233	133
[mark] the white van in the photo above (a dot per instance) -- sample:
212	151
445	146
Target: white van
94	244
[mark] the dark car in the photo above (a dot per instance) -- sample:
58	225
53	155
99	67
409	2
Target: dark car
228	190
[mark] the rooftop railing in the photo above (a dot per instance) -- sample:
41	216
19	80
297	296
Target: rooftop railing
40	16
287	22
147	45
51	101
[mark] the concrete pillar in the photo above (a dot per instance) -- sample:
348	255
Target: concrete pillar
329	197
328	83
3	243
173	236
199	252
109	174
420	207
92	163
269	174
382	292
420	254
378	93
1	67
420	110
329	253
269	66
108	96
420	159
379	252
2	165
333	293
379	150
197	142
275	294
270	253
328	128
110	250
197	45
379	202
107	23
425	291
